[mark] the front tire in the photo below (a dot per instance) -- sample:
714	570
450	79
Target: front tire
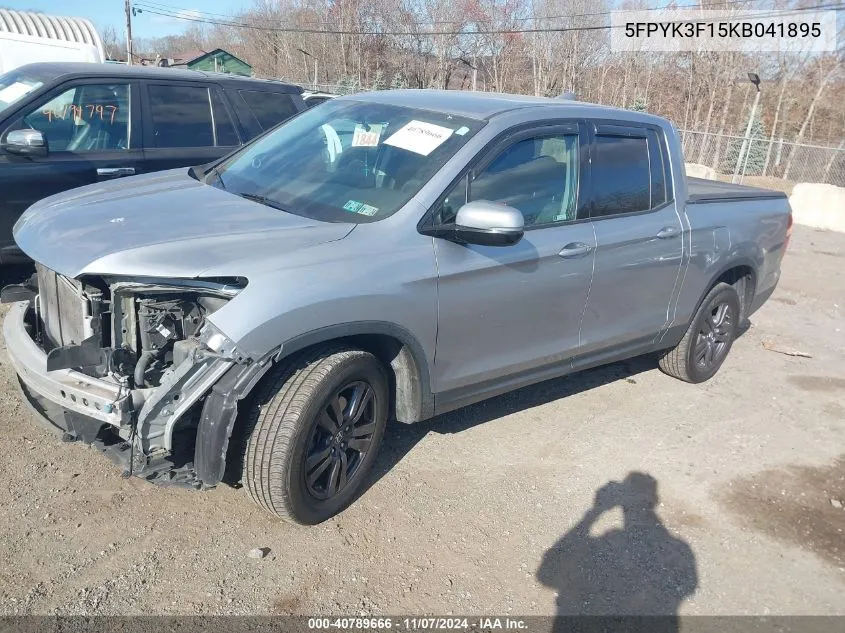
315	433
709	338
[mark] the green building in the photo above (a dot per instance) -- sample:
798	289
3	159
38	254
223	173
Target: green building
216	61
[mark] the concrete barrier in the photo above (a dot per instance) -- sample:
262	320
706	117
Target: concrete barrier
819	205
694	170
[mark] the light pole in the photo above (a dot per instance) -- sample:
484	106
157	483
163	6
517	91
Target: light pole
474	71
745	150
307	54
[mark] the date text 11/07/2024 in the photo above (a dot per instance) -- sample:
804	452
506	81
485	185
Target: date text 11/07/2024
419	623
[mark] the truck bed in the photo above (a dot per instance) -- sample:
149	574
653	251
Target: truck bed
702	191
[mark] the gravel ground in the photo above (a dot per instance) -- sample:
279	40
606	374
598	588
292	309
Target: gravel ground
503	507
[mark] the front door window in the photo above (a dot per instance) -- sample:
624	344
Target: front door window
86	118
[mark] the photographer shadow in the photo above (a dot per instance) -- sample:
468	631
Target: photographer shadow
637	570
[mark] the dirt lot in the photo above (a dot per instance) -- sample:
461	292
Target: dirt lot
491	509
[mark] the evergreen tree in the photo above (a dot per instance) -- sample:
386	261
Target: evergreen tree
399	81
343	86
379	82
639	105
755	158
347	85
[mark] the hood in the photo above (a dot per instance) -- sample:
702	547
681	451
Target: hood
162	225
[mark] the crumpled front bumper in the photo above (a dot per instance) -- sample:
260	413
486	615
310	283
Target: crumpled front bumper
68	390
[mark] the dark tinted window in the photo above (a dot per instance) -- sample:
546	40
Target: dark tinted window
621	180
269	108
313	101
181	116
226	135
658	170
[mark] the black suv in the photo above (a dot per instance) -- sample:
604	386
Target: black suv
64	125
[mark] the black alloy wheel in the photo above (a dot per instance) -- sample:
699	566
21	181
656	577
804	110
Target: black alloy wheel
714	336
708	339
341	437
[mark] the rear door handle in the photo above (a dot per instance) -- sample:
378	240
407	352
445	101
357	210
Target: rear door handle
668	232
575	249
115	172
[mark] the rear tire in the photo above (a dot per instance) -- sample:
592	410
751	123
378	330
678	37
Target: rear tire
315	432
709	338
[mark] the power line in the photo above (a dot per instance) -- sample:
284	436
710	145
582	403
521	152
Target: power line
314	31
158	6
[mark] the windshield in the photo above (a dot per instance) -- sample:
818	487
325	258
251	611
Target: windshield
14	86
346	161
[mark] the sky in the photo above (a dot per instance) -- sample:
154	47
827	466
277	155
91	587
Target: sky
110	13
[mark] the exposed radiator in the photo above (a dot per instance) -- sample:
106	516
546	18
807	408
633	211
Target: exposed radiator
65	311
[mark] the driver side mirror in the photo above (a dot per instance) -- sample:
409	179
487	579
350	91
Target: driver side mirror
485	223
26	143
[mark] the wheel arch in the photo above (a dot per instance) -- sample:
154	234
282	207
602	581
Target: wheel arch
393	345
401	353
740	273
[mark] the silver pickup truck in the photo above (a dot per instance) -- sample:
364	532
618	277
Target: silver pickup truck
389	255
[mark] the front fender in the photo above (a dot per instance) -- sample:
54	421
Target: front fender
219	412
413	397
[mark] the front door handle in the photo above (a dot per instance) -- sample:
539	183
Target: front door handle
115	172
668	232
575	249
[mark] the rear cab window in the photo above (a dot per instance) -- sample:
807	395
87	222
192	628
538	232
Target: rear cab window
630	171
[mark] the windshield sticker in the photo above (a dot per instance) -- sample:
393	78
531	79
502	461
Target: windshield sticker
360	208
366	135
419	137
462	130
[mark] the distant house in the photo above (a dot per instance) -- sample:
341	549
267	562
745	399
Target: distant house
216	61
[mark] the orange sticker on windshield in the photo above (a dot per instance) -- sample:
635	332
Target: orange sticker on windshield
366	136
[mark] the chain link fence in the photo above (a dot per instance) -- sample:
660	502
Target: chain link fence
762	159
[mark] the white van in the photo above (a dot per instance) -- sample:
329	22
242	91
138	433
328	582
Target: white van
18	50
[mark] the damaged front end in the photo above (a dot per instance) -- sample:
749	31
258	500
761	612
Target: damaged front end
125	364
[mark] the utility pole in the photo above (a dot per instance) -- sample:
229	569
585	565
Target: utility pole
474	69
745	150
305	57
128	9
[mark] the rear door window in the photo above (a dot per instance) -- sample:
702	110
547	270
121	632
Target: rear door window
621	175
226	136
181	116
269	108
630	170
661	179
